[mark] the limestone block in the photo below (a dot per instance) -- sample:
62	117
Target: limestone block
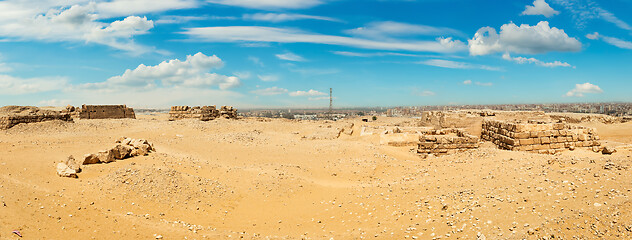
90	159
64	171
106	156
73	164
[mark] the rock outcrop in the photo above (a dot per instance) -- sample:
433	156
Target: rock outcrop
14	115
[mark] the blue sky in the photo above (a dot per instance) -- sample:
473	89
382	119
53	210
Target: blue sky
281	53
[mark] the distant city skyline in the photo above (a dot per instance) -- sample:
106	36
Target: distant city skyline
287	54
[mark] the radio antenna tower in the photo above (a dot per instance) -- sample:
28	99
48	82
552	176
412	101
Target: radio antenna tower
331	103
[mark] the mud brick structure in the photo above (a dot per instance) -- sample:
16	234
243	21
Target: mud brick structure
106	112
538	136
204	113
446	141
7	122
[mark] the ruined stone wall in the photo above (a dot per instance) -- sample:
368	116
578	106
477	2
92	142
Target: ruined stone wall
7	122
204	113
446	141
537	136
459	119
106	112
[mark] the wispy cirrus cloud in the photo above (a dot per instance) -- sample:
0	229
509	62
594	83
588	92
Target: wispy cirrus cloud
287	35
586	10
284	17
390	29
270	91
456	65
523	60
270	4
610	40
288	56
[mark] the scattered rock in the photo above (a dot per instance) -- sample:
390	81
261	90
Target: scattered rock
121	151
106	156
64	171
608	150
73	164
90	159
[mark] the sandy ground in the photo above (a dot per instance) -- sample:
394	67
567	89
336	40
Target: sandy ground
260	179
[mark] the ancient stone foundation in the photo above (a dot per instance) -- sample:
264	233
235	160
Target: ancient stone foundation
538	136
7	122
204	113
446	141
105	112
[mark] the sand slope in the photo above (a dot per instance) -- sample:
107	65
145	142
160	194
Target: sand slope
259	178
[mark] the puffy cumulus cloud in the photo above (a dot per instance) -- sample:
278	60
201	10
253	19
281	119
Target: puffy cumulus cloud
10	85
388	29
77	23
456	65
270	91
540	7
522	39
270	4
584	88
284	17
192	73
610	40
268	78
291	57
310	93
258	34
523	60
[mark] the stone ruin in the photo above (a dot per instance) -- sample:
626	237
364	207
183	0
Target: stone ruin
204	113
446	141
14	115
539	136
103	111
125	148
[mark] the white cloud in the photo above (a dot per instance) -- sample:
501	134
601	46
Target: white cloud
243	75
467	82
484	84
523	60
193	72
540	7
270	4
268	78
291	57
284	17
581	89
424	93
256	61
54	102
611	40
270	91
118	8
522	39
178	19
286	35
389	29
310	93
377	54
456	65
10	85
77	23
584	10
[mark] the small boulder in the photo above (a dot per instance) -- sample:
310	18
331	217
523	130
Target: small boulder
73	164
90	159
64	171
144	149
138	142
608	150
122	151
106	156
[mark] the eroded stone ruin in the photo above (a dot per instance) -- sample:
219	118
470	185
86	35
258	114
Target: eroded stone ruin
203	113
446	141
539	136
14	115
105	112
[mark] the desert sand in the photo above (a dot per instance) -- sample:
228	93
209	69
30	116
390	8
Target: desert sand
268	179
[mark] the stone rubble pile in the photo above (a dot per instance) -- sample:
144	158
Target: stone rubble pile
125	148
446	141
14	115
538	136
204	113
